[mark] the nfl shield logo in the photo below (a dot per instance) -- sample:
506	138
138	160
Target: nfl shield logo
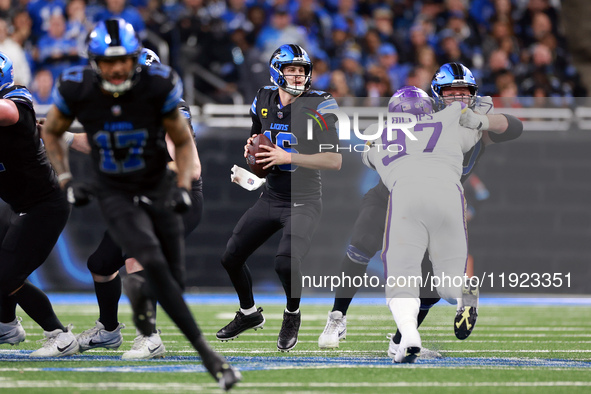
250	181
116	110
280	115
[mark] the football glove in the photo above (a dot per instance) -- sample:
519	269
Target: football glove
78	193
179	200
472	120
246	179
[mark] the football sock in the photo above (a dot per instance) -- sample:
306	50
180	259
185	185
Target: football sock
420	317
344	295
248	311
107	296
36	304
7	309
292	313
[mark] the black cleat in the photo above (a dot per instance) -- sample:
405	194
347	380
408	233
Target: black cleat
226	375
465	319
240	324
288	336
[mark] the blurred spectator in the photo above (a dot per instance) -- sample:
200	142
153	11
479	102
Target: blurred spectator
383	20
498	63
315	20
420	77
340	43
6	9
339	88
427	59
321	71
77	26
42	87
396	72
280	31
22	72
119	9
257	17
351	66
347	11
525	22
377	86
22	26
370	45
41	11
55	51
451	51
253	71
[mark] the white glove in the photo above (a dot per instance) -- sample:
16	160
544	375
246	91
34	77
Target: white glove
472	120
484	105
246	179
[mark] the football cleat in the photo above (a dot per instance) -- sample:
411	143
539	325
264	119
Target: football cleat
13	332
145	348
408	350
58	344
288	335
334	331
240	324
467	312
97	336
226	375
426	354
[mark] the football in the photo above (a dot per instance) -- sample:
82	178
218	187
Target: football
255	148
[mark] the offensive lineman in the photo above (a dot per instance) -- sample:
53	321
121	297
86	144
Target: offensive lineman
291	201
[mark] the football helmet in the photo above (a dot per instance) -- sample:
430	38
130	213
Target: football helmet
453	75
114	38
148	57
6	72
412	100
285	55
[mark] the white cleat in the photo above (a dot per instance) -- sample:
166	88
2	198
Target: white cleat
426	354
97	336
145	348
58	344
408	350
334	331
12	333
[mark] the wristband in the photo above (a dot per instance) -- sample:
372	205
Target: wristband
64	176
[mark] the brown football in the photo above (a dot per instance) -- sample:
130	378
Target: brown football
255	148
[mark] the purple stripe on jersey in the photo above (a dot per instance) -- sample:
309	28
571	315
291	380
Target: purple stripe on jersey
465	226
387	235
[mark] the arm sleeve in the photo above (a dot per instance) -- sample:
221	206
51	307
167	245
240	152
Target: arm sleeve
256	122
513	131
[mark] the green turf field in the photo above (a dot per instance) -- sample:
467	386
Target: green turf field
513	349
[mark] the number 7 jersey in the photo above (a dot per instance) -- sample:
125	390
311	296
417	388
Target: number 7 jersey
437	152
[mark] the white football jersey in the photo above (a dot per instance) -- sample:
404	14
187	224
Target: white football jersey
437	153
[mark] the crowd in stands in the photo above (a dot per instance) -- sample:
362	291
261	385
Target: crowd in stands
359	47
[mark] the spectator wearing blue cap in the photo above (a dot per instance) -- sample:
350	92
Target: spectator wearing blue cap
351	66
389	60
340	42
